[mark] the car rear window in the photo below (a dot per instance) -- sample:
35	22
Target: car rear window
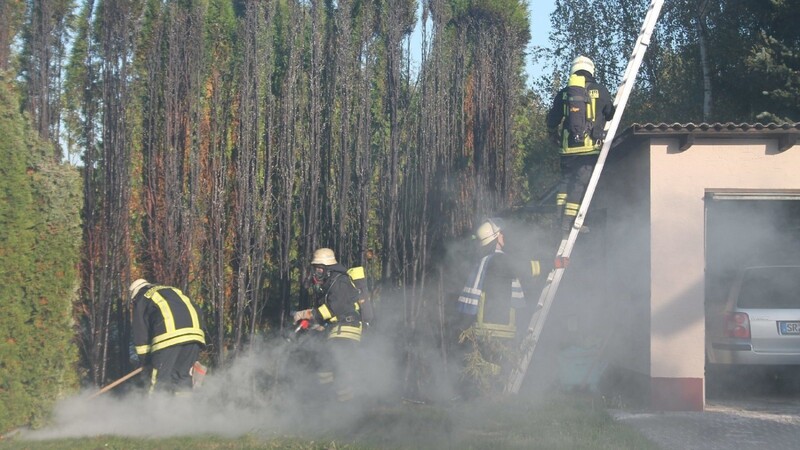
771	288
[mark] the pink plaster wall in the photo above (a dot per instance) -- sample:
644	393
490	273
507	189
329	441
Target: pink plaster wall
679	181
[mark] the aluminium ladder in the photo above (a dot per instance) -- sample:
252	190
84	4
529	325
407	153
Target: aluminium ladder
528	344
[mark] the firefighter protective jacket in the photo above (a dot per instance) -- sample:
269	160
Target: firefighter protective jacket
338	307
603	111
162	317
364	307
491	295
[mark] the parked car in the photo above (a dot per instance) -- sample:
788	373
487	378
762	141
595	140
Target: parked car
759	324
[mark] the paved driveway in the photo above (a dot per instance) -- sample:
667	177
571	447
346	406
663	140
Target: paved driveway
763	423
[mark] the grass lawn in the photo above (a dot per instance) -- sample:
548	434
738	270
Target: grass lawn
563	422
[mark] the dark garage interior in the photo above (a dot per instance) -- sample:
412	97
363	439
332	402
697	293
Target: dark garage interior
744	229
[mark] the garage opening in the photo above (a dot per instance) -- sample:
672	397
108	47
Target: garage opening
744	229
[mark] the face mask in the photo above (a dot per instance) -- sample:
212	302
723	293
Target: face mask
318	279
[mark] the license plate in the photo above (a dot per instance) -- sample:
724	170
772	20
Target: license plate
789	327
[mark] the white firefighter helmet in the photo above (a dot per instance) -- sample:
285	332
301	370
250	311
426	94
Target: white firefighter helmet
136	286
488	231
582	63
324	257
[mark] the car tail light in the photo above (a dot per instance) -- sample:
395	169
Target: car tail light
737	325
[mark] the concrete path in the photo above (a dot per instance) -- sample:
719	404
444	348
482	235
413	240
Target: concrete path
753	424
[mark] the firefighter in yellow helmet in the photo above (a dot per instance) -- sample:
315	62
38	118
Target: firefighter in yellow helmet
581	109
168	333
493	289
486	310
337	311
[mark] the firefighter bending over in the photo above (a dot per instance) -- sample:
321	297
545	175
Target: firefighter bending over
168	332
582	109
338	311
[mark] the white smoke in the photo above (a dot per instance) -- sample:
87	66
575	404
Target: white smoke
267	389
271	388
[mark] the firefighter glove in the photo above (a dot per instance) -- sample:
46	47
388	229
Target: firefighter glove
303	315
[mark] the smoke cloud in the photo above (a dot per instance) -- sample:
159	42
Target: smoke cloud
270	388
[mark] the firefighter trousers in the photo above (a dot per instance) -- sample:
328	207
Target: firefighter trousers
576	171
337	374
171	368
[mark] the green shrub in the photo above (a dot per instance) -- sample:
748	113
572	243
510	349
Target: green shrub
39	253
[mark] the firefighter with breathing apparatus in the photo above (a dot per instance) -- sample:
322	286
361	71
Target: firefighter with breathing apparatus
582	109
338	311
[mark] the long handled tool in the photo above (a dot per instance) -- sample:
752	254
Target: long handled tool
116	383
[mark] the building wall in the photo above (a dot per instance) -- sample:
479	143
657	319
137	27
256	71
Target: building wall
679	180
623	195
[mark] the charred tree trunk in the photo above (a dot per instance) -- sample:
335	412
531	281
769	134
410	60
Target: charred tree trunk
217	188
312	156
364	168
393	36
345	66
170	168
39	31
250	223
288	139
107	201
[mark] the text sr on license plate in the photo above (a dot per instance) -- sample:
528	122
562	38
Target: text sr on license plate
789	327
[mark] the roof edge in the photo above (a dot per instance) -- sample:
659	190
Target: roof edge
786	133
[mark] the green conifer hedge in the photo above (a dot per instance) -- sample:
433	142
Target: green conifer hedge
40	238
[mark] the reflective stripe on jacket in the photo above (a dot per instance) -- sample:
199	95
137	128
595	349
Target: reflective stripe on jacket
603	110
590	97
162	317
339	306
473	301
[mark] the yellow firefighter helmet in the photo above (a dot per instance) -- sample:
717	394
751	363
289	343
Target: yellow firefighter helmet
136	286
488	231
582	63
324	257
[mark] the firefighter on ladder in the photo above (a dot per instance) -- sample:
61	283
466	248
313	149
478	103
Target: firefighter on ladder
168	333
486	307
582	109
338	311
